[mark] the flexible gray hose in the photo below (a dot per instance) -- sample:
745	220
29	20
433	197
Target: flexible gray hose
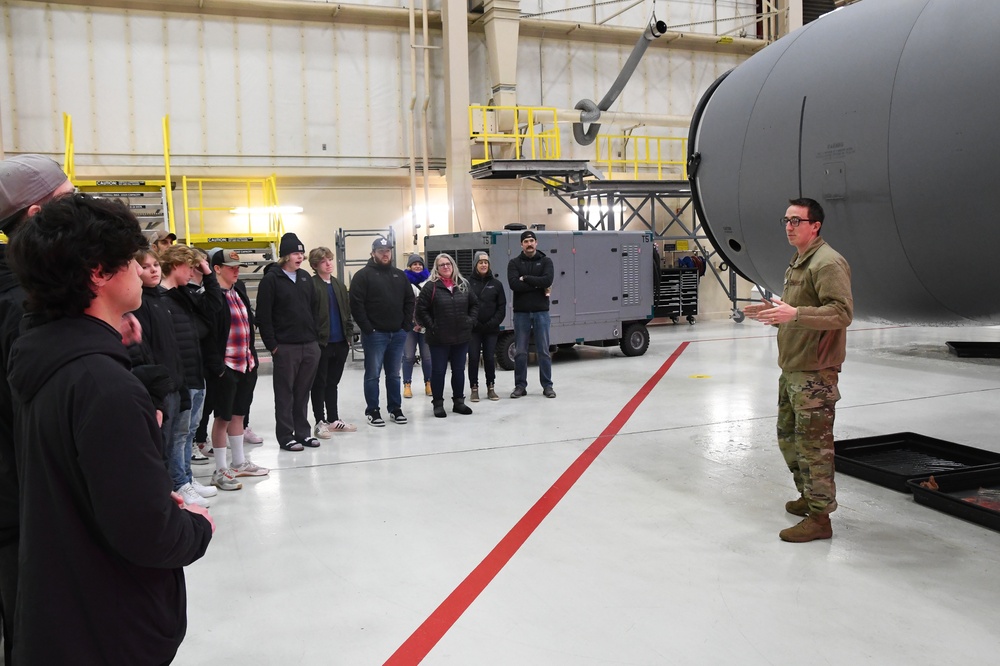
591	112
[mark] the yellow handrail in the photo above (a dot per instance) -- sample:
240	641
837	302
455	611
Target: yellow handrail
528	125
168	195
68	154
261	200
645	152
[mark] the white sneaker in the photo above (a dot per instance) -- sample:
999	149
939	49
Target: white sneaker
322	430
250	437
204	491
191	496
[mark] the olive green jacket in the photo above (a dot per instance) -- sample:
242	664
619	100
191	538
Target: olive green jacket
818	284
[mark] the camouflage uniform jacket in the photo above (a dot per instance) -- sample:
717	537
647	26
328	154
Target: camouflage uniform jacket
818	283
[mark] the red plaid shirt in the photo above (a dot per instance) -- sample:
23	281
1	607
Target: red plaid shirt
239	357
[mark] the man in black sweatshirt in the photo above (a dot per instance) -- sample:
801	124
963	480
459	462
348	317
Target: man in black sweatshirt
530	276
26	182
382	306
103	538
289	329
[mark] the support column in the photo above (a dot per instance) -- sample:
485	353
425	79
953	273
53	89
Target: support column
502	21
455	31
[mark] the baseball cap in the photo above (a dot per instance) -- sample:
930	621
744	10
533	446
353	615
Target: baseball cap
382	243
27	179
220	257
528	234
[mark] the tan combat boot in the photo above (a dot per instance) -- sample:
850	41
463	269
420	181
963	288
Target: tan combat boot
812	528
407	391
799	507
427	389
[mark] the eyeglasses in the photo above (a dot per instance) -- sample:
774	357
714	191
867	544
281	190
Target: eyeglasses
794	221
444	263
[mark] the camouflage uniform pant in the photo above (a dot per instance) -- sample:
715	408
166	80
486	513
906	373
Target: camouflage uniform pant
806	402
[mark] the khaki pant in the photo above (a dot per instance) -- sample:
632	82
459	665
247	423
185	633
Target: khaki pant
806	402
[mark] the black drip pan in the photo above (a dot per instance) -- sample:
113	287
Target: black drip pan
975	349
891	460
973	495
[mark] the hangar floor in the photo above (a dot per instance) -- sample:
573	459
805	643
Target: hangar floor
632	520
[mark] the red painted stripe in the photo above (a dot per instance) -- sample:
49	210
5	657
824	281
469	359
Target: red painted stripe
427	635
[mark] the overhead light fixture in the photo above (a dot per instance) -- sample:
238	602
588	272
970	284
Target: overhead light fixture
266	210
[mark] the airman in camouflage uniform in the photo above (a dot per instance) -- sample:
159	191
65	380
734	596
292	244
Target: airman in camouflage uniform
812	319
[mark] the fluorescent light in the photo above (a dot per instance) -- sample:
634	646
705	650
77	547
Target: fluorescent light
266	210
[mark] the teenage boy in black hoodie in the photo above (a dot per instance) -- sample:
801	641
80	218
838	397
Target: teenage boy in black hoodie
287	320
103	538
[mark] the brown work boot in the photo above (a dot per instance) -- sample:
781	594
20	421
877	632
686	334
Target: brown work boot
799	507
490	393
407	391
475	394
813	527
427	389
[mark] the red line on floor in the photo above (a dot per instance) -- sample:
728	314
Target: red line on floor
427	635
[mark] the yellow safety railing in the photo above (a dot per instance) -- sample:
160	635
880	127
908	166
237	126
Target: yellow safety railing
262	212
168	195
68	154
648	153
528	132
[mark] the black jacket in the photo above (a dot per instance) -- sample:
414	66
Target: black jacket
492	302
322	306
448	315
192	311
214	349
159	339
381	299
538	272
102	542
285	308
11	311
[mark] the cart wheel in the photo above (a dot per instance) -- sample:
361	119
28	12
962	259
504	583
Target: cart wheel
674	319
635	341
738	316
690	319
505	351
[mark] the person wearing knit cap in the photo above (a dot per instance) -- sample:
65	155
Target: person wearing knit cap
486	329
417	274
26	182
288	320
530	276
382	307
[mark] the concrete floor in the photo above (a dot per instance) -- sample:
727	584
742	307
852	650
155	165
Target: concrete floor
600	529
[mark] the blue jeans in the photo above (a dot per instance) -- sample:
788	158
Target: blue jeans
383	351
197	405
176	425
524	324
410	356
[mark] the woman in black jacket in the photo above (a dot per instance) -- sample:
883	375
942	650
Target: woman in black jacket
447	309
486	330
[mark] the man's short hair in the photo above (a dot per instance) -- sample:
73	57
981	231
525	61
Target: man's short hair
816	213
318	254
55	252
175	255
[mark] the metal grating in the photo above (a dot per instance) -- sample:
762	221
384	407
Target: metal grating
630	275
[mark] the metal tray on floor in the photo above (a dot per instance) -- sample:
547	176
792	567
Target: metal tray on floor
975	349
972	495
892	460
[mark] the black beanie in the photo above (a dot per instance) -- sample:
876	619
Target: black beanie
290	243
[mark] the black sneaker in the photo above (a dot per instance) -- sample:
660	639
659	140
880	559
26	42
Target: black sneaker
549	392
396	416
519	392
375	419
